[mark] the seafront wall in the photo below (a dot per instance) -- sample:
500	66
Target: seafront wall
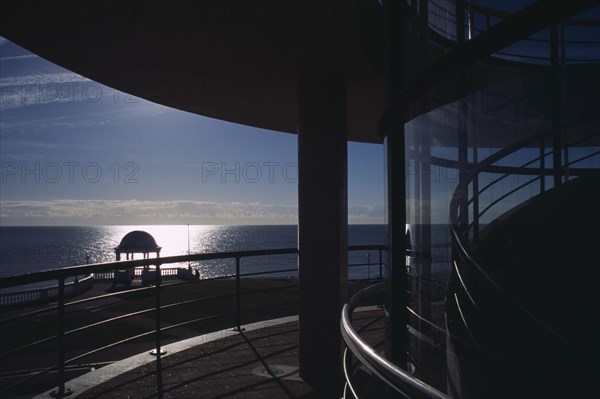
45	294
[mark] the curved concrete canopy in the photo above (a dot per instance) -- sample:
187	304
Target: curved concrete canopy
237	61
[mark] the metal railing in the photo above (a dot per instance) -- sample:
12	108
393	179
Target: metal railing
62	333
471	278
479	19
396	378
471	209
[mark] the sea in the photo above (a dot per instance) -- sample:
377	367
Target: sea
31	249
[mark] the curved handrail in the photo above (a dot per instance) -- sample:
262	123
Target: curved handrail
55	274
388	372
348	384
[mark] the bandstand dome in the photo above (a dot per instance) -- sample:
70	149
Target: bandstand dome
138	241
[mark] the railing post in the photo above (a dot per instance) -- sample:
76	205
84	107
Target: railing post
542	166
238	325
556	105
369	266
566	162
475	179
61	392
380	265
381	299
158	351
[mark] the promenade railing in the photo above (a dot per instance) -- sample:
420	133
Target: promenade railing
64	312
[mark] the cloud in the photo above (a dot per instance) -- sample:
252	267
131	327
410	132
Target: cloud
18	57
42	79
85	212
39	89
112	117
104	212
365	214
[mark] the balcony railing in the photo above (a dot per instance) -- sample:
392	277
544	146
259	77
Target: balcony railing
396	378
232	315
476	287
477	19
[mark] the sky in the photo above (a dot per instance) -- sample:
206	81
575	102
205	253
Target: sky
75	152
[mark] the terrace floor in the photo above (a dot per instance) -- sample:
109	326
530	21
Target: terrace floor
259	362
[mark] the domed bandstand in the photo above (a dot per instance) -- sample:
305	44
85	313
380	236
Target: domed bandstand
135	242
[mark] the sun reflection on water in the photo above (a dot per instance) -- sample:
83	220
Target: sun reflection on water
31	249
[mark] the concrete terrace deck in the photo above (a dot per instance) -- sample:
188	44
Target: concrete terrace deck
260	362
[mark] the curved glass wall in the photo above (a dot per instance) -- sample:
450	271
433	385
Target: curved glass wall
502	162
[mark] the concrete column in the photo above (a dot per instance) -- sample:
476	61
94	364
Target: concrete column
396	315
322	226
